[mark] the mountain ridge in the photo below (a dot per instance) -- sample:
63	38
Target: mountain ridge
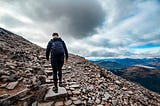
26	78
141	74
152	62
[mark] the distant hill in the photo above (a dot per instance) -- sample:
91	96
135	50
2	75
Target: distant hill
152	62
127	62
147	77
146	72
109	65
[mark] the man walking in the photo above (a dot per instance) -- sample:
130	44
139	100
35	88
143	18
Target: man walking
57	48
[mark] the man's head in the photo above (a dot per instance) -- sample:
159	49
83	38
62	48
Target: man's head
55	35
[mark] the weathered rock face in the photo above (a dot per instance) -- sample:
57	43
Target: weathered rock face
27	80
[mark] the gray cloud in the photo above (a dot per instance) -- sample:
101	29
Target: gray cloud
75	18
89	27
11	21
103	54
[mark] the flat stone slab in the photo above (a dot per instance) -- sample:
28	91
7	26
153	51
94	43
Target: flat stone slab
52	95
12	85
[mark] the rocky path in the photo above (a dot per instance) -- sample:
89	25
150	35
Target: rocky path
85	84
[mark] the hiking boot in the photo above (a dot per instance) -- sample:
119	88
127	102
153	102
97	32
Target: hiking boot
55	89
60	84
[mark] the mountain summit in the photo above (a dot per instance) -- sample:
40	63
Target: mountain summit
26	79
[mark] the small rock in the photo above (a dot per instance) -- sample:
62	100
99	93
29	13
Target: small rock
74	86
68	103
117	82
98	101
77	102
34	103
67	87
12	85
85	97
90	88
74	98
72	89
129	92
10	64
114	102
106	96
4	96
46	104
69	67
124	88
76	92
90	102
41	92
3	85
59	103
42	78
49	72
69	93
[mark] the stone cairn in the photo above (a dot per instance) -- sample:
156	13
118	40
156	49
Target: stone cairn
26	80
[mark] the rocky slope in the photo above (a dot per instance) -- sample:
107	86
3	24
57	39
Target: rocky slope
146	76
26	80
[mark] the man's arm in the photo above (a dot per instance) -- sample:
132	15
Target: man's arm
48	50
65	50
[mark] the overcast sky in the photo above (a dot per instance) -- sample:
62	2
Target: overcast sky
90	28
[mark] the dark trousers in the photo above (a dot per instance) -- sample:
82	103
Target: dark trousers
57	62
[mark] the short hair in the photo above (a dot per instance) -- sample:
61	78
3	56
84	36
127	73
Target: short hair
54	34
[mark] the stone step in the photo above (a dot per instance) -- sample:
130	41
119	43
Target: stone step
14	98
5	95
52	95
27	100
50	72
49	68
50	77
47	65
49	81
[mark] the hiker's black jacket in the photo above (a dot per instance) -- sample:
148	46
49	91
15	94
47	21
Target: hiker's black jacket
48	50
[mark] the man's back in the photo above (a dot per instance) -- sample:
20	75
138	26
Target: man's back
57	48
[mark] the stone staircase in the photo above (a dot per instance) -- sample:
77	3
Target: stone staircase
41	95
